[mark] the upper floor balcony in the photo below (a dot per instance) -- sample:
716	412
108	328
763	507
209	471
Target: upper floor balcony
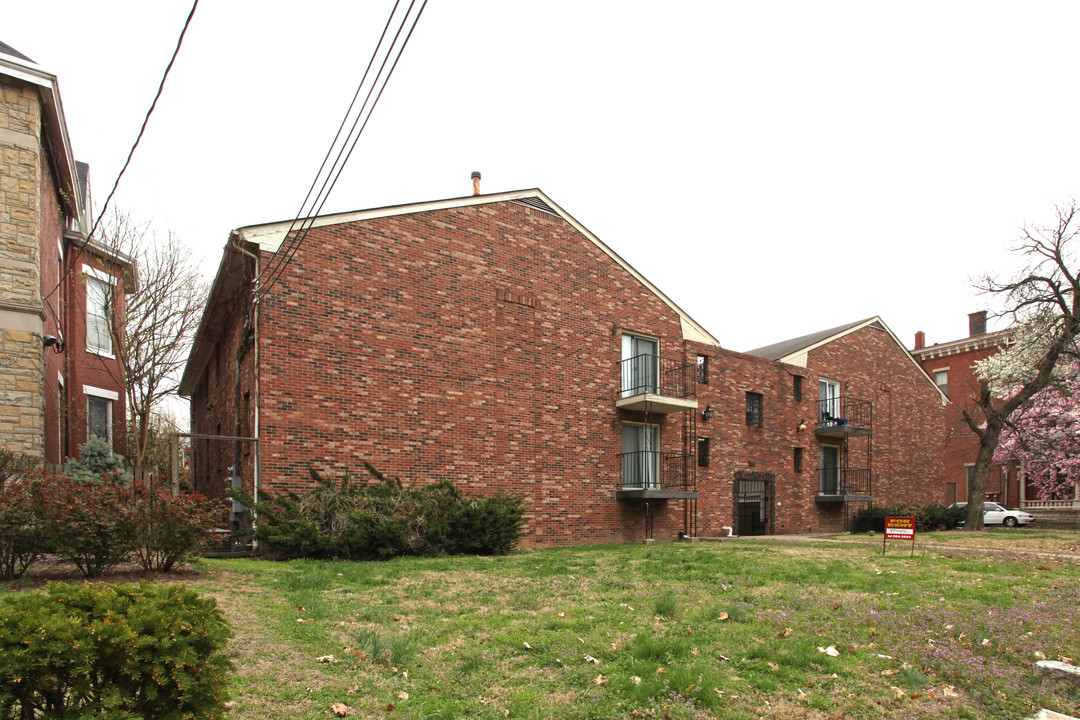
843	417
650	383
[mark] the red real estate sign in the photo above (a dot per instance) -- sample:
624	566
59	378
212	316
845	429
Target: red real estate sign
899	528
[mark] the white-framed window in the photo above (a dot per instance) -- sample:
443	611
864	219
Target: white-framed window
99	412
98	418
941	379
99	291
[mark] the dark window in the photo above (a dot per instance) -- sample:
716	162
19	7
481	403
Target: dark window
703	452
703	369
796	387
753	409
796	457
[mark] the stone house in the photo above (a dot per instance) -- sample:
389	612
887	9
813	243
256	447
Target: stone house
494	341
59	379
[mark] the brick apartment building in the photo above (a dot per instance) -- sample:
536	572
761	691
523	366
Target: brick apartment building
495	342
59	379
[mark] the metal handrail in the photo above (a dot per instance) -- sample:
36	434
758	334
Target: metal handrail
671	377
847	481
655	470
841	411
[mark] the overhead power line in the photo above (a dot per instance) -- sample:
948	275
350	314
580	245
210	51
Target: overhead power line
131	153
312	206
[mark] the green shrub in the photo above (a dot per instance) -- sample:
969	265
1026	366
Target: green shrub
170	531
927	518
112	651
381	519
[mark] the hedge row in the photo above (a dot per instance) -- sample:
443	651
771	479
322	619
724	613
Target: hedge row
98	525
927	517
112	651
381	519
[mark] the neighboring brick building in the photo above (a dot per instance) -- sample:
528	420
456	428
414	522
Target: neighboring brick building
51	396
952	365
495	342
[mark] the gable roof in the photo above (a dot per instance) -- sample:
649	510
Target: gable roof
789	348
8	50
269	237
795	351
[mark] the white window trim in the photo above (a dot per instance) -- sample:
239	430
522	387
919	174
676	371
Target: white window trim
109	280
98	274
100	392
108	417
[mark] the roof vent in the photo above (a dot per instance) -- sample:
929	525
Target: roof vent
476	182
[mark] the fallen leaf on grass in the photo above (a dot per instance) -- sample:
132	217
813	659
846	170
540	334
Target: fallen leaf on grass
635	679
599	679
661	671
897	692
339	709
985	642
402	695
590	658
389	707
786	632
562	615
614	647
889	673
831	651
915	696
326	659
773	666
695	652
949	692
527	646
722	616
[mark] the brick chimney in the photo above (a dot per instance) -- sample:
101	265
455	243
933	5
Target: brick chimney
476	182
920	340
977	323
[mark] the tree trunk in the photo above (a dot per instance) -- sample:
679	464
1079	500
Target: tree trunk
976	495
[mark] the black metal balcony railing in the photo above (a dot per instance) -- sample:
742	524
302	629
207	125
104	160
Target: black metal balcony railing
843	481
845	412
658	376
654	470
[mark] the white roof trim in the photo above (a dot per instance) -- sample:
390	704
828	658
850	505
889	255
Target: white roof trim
270	236
53	111
799	357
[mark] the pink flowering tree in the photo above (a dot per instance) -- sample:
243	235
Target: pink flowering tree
1043	436
1043	302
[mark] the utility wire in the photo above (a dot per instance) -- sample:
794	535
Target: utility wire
284	257
142	130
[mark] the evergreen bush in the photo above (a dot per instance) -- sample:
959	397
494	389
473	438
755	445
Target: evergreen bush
170	531
381	519
112	651
98	463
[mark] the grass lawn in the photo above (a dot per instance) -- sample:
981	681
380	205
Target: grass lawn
686	630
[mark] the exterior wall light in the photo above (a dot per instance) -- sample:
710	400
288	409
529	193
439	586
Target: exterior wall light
802	425
51	341
707	413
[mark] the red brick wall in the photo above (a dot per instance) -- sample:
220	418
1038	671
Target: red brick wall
958	445
85	368
869	365
478	345
51	233
481	345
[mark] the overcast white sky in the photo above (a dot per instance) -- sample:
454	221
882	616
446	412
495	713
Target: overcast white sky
776	168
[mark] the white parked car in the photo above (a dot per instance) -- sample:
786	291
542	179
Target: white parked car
994	514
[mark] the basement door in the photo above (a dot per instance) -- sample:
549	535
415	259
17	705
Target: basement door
753	502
